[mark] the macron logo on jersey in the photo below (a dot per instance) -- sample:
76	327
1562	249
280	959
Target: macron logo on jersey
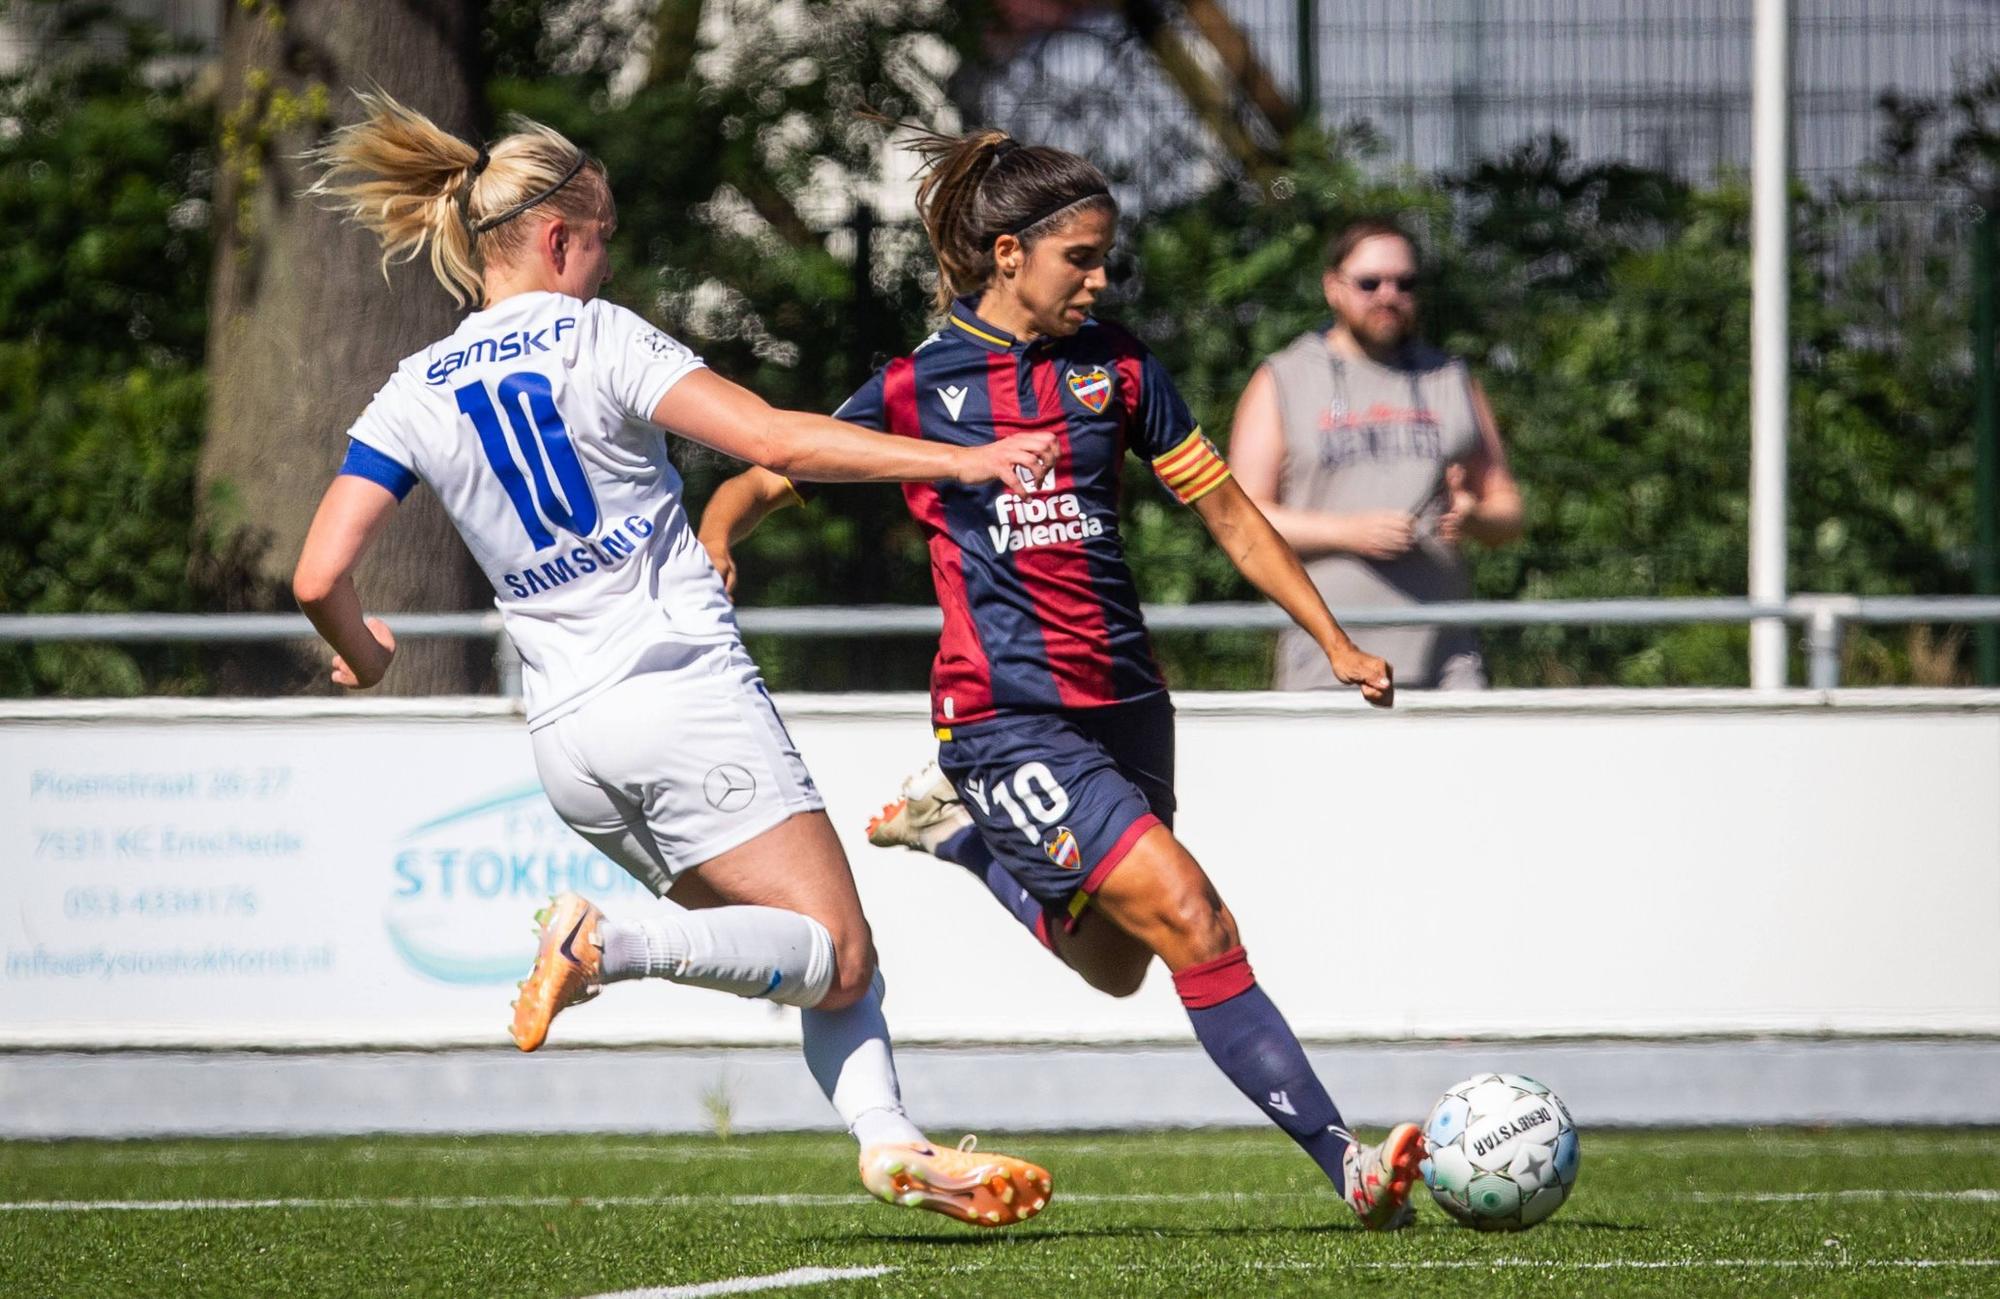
953	399
501	347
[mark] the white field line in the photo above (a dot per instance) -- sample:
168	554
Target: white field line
590	1202
1975	1195
1626	1264
798	1276
1699	1145
446	1202
1784	1147
63	1154
1140	1146
445	1152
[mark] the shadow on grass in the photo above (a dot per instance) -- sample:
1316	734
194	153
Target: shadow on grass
1004	1240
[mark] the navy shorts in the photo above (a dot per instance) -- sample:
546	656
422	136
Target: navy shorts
1060	798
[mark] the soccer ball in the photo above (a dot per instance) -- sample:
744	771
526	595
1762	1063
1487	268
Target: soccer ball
1503	1152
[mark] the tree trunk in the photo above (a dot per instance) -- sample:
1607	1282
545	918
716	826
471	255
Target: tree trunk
1211	99
302	328
1253	79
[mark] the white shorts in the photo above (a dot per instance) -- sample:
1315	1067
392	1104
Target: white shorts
675	765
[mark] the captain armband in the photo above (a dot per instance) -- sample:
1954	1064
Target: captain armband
1193	469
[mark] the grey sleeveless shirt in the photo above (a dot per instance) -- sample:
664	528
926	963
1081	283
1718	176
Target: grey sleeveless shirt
1362	436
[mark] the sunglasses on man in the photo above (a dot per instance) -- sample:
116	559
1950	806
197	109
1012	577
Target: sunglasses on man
1370	283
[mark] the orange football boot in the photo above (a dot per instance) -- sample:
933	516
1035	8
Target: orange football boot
985	1190
566	967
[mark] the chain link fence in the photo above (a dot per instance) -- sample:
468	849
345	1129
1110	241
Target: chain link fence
1663	84
1891	155
1178	98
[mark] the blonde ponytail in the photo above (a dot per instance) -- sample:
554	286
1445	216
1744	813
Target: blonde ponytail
416	187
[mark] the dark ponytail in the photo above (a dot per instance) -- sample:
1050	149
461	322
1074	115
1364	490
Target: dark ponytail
984	184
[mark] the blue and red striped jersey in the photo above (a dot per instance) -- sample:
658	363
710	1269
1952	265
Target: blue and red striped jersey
1040	610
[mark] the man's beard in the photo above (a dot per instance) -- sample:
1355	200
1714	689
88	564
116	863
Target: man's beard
1381	331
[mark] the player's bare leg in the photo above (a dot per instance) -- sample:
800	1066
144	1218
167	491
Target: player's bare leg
1109	959
799	866
795	866
928	817
779	917
779	950
1161	896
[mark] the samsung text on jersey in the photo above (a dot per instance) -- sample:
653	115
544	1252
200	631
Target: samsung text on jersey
607	552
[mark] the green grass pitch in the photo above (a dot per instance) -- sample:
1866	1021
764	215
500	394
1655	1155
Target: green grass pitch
1238	1212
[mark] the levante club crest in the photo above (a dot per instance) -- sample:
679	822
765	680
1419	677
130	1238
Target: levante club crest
1092	387
1063	849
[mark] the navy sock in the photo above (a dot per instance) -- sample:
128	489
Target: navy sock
968	849
1252	1044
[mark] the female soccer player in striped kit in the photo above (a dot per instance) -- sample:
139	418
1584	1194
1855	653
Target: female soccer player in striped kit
1055	730
538	424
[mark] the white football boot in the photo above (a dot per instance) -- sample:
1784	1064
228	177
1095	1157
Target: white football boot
1380	1178
926	812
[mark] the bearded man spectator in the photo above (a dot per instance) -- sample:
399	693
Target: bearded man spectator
1376	456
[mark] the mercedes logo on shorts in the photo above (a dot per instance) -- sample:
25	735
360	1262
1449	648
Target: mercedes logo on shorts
729	788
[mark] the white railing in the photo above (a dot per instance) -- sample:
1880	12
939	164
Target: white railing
1824	620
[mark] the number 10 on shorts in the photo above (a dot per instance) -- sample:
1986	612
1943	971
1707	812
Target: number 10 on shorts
1032	797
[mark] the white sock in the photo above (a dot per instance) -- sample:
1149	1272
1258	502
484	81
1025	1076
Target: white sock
849	1055
749	951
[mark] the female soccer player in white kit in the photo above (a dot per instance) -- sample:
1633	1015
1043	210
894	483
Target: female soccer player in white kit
537	423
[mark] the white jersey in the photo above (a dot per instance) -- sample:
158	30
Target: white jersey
531	425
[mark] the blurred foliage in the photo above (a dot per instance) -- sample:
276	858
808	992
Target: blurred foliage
103	174
1603	306
705	151
1604	309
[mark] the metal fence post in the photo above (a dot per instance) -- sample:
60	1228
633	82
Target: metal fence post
1986	431
1306	20
1826	618
1770	331
507	665
863	323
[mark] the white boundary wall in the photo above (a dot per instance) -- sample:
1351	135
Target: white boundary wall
344	872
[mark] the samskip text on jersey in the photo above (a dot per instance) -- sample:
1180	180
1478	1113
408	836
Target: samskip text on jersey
500	347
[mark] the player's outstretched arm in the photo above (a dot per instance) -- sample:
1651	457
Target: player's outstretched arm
734	512
351	514
814	448
1273	567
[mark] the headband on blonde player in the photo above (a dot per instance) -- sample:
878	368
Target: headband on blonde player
984	184
418	188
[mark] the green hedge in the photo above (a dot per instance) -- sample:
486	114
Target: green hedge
1605	308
